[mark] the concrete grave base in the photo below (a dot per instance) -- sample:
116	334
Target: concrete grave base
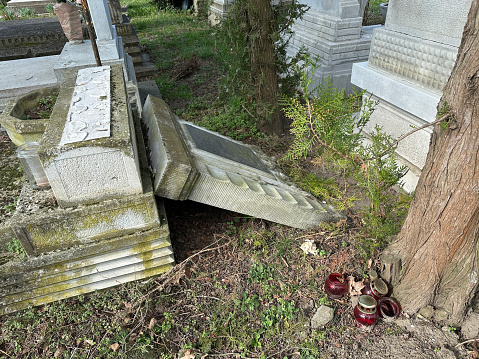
200	165
60	229
84	269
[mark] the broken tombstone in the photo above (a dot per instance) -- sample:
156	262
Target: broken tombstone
190	162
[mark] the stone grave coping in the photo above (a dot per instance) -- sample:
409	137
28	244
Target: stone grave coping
37	5
59	275
90	266
20	130
30	38
91	171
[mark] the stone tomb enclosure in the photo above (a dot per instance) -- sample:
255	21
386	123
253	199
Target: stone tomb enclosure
190	162
19	130
82	247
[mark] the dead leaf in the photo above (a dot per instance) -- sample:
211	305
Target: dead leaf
188	355
89	341
152	324
114	347
58	352
355	287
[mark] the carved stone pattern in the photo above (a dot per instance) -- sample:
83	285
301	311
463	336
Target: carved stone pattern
329	28
28	40
89	114
413	59
115	11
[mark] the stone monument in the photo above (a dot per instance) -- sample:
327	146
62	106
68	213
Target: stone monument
218	10
410	61
332	30
100	224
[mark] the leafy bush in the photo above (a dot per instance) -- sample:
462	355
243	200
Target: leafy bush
328	129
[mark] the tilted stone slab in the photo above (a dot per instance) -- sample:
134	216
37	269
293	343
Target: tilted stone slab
93	170
234	176
173	167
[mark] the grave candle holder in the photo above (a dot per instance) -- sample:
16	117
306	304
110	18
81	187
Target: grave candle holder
365	312
388	308
336	285
28	156
376	288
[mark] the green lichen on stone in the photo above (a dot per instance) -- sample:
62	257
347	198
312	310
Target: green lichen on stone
62	229
79	270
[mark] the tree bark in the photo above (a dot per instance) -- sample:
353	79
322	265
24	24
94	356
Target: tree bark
263	65
438	243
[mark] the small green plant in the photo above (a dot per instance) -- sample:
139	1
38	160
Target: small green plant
43	109
26	13
247	302
8	13
260	272
49	8
15	247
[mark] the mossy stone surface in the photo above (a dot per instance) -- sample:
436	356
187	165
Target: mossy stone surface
21	130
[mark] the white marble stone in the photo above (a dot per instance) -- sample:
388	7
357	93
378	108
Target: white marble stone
89	114
338	41
438	20
410	62
416	100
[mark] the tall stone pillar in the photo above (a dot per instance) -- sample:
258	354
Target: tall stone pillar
333	31
410	61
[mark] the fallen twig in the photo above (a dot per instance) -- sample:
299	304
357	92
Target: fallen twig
440	119
467	341
172	274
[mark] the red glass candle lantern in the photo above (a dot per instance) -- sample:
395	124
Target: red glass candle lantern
336	286
377	288
388	308
365	311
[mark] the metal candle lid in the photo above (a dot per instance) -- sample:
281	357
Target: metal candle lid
378	286
367	304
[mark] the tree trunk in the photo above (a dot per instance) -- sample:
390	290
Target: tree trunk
438	243
263	65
